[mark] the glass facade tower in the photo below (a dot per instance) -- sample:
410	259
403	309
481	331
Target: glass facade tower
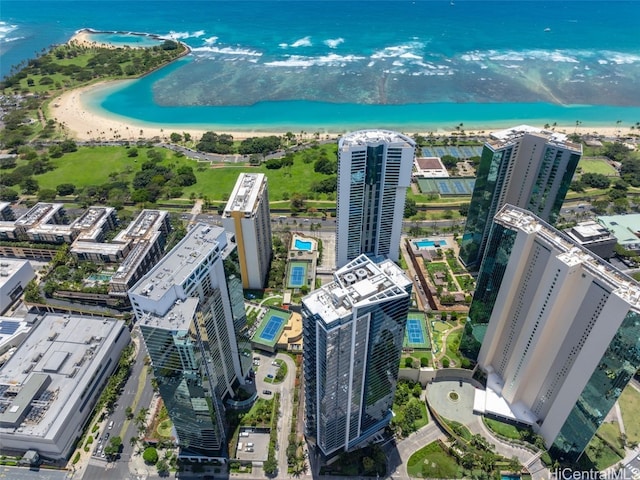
374	172
523	166
353	329
190	309
555	329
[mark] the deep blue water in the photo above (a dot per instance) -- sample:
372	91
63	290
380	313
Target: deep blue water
316	64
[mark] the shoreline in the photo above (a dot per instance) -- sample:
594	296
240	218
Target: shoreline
84	123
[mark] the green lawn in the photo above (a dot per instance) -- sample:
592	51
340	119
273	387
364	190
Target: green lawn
610	431
504	429
432	461
630	406
600	454
93	165
596	165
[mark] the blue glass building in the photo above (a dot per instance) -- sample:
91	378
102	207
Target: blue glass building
523	166
190	309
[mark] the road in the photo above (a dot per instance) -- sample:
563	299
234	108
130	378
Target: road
137	393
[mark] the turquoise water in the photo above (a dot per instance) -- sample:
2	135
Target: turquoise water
318	65
125	39
429	243
302	244
99	277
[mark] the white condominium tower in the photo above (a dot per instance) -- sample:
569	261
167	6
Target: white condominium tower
190	310
353	329
247	215
374	172
560	331
523	166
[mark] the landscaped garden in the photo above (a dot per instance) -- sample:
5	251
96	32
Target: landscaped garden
410	412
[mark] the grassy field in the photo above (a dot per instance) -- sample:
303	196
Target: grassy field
611	433
432	461
98	165
596	165
630	406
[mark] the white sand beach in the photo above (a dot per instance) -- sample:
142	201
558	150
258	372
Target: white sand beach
82	38
84	124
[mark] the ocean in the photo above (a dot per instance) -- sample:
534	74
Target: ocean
318	65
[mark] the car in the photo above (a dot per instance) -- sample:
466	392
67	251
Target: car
269	375
266	392
106	436
110	425
274	363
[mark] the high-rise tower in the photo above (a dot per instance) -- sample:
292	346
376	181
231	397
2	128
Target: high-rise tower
374	172
353	329
523	166
560	331
190	310
247	215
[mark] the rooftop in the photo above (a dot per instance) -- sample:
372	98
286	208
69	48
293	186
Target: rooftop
62	354
178	318
359	283
144	226
501	138
589	231
364	137
246	193
572	253
9	327
626	229
181	262
39	213
9	267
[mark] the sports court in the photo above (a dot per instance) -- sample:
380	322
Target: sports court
271	327
416	336
297	274
447	186
464	151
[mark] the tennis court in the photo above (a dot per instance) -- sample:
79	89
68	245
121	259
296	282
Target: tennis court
271	328
458	152
297	274
416	336
447	186
414	331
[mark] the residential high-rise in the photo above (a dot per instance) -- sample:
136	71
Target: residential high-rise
353	329
190	310
374	172
247	215
523	166
560	331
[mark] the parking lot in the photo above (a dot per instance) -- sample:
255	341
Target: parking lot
253	445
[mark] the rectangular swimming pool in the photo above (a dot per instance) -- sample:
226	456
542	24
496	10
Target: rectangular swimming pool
430	243
302	244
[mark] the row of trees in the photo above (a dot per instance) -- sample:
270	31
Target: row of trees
223	144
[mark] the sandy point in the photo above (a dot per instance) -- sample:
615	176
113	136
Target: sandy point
84	124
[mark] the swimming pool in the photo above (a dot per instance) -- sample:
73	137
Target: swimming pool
99	277
302	244
430	243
